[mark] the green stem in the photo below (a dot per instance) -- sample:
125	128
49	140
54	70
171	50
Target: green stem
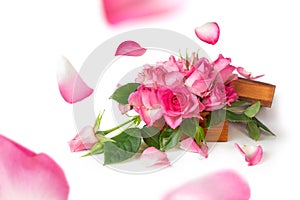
117	127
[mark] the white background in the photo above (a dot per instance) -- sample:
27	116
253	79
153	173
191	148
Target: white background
262	36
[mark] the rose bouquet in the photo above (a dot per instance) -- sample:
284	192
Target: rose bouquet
168	99
172	104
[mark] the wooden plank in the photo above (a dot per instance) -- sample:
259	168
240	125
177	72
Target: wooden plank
218	133
254	91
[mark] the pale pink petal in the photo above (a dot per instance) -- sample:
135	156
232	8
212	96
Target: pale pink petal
27	175
117	11
130	48
150	116
253	154
124	108
226	73
154	157
247	74
221	62
204	150
173	121
189	144
225	185
71	86
208	32
84	140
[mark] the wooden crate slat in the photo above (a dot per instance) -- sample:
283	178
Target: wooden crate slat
218	133
254	91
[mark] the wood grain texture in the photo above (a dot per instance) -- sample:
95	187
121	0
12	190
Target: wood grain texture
254	91
218	133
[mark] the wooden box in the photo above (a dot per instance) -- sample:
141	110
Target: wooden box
254	91
249	90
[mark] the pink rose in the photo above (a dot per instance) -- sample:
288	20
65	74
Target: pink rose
177	104
159	75
201	77
231	95
225	70
220	96
173	65
152	75
146	103
174	79
216	99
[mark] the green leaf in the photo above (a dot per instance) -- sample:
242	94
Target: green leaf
252	110
126	145
200	135
238	104
233	117
215	117
150	136
189	126
264	127
169	138
122	93
253	130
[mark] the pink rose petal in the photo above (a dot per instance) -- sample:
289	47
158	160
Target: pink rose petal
226	74
130	48
253	154
154	157
225	185
221	62
124	108
204	150
208	32
27	175
117	11
71	86
84	140
247	74
189	144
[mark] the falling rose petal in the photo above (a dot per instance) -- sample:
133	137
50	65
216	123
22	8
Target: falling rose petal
84	140
247	74
71	86
27	175
225	185
253	154
154	157
189	144
130	48
208	32
117	11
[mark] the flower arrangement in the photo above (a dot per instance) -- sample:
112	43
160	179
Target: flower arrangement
166	103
